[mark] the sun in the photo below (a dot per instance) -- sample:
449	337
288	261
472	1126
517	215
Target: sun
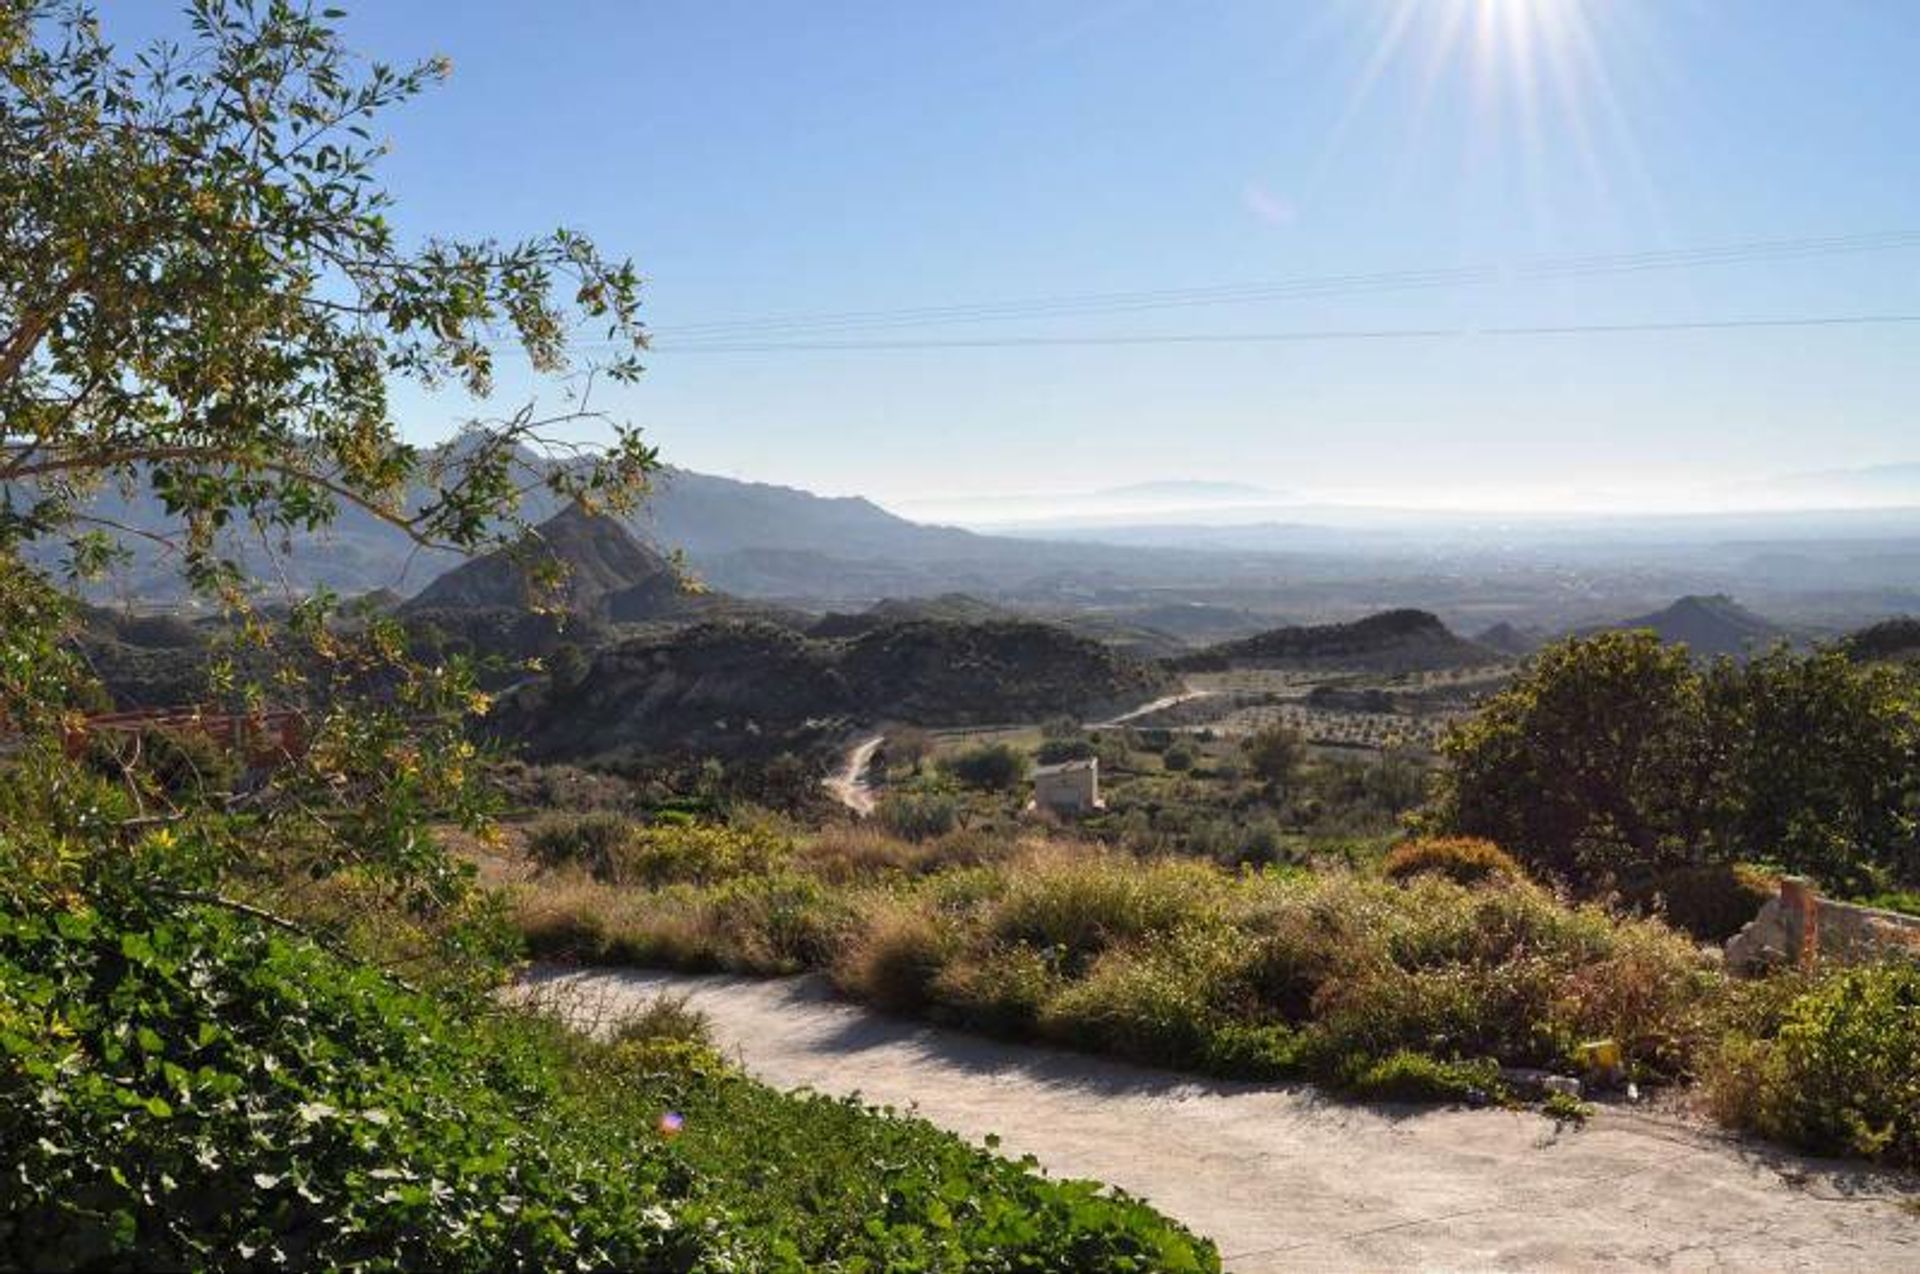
1538	77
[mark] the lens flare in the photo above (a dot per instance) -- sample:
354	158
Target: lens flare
1539	77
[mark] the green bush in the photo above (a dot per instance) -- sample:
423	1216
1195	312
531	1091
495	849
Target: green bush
918	815
590	840
1465	860
180	765
993	767
188	1090
1053	751
1840	1074
1808	758
699	853
1078	905
1157	1003
1406	1076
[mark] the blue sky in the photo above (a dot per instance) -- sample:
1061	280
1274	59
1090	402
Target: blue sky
771	159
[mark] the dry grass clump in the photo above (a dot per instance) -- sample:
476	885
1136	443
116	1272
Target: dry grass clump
1079	901
772	924
586	840
894	953
1465	860
856	852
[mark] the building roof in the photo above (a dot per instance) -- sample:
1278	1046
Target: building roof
1066	767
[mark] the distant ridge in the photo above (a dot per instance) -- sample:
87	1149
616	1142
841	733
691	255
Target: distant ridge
947	607
1392	640
1708	625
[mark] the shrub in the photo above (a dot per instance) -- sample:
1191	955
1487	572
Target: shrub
1406	1076
663	1019
993	767
179	765
191	1089
999	989
1053	751
700	853
1180	757
564	920
1465	860
781	923
846	852
1841	1075
918	815
1081	903
588	840
216	1092
1157	1003
1275	755
894	957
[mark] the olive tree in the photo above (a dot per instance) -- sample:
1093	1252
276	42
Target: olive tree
204	301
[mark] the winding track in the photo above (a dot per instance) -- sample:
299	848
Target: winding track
849	783
1283	1178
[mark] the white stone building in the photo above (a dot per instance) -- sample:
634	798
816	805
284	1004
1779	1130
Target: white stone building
1071	787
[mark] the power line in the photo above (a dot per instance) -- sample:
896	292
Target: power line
1538	270
1301	335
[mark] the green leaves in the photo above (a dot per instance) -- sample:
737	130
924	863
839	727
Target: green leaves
200	287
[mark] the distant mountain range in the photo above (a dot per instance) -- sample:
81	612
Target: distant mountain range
749	538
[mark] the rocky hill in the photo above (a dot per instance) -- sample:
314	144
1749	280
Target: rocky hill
1391	641
1708	625
1511	639
601	567
746	687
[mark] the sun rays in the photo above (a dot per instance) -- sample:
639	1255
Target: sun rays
1539	81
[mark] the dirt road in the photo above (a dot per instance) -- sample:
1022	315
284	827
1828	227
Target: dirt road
1287	1179
1147	709
849	783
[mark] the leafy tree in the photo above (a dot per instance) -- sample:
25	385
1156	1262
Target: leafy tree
1592	761
1180	757
1825	758
1275	754
201	293
909	746
997	767
1615	758
203	300
1053	751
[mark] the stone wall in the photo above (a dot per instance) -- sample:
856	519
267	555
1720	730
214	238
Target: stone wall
1799	925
